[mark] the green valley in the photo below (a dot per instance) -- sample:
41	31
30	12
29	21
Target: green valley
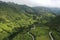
21	22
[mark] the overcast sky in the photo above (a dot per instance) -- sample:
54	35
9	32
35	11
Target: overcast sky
48	3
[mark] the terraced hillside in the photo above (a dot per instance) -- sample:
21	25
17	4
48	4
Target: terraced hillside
20	22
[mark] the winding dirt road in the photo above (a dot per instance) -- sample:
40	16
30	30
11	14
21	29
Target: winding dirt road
31	36
50	34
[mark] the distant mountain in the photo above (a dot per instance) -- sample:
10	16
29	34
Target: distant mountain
42	10
47	9
55	10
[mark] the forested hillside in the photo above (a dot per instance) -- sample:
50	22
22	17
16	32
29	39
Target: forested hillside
20	22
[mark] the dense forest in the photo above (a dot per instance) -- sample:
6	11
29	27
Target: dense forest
21	22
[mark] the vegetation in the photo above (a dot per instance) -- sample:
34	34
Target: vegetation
17	20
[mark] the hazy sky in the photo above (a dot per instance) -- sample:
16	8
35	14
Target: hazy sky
48	3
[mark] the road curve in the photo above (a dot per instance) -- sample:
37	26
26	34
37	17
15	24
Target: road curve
50	34
31	36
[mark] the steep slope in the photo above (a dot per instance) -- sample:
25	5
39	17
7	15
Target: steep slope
11	19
